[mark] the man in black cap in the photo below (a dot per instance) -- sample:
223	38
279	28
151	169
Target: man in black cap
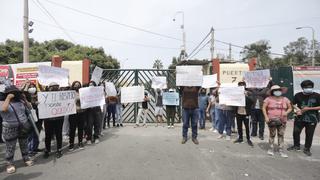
307	106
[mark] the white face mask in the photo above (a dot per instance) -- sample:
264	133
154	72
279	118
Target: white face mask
277	93
32	90
2	88
308	90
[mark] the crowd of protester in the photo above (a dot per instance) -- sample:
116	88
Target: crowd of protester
265	106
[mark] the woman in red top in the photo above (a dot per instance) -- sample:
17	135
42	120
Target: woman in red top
275	110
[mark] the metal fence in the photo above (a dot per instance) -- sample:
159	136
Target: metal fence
141	77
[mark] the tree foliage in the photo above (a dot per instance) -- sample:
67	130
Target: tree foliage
11	52
157	64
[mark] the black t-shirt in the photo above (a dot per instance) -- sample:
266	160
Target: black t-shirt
303	100
145	103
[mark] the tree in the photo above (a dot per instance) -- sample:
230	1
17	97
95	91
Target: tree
11	52
174	63
260	50
300	52
157	64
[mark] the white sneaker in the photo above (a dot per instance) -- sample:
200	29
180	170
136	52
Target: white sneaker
224	132
89	142
211	129
172	126
97	141
284	155
270	152
215	131
228	138
220	136
169	127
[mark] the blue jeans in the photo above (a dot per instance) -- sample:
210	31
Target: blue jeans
217	116
202	118
212	114
187	116
226	121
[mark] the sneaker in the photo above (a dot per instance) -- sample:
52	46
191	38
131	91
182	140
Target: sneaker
29	163
270	152
11	169
294	148
169	127
228	138
172	126
121	125
58	154
89	142
211	129
215	131
250	143
195	141
220	136
71	147
238	141
137	125
46	155
284	155
39	150
224	132
118	125
261	138
307	152
97	141
81	146
184	140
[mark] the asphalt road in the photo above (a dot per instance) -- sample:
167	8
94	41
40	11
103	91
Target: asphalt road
156	153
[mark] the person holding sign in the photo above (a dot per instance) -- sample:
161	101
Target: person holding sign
53	126
203	103
143	110
307	106
190	113
94	121
111	109
275	110
159	107
171	112
77	120
242	116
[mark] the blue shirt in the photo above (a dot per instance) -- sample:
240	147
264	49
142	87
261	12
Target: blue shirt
203	101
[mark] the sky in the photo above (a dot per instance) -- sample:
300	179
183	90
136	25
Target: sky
155	35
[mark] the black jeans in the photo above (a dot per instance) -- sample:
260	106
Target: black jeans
257	119
245	120
310	128
51	127
76	121
94	123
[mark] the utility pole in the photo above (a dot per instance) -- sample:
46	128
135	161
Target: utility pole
212	43
229	51
183	55
26	32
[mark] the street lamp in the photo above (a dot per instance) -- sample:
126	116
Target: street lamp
313	45
183	47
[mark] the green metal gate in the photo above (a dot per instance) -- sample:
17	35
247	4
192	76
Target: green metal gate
133	77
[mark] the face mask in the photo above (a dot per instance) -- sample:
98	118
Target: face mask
2	88
308	90
277	93
32	90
